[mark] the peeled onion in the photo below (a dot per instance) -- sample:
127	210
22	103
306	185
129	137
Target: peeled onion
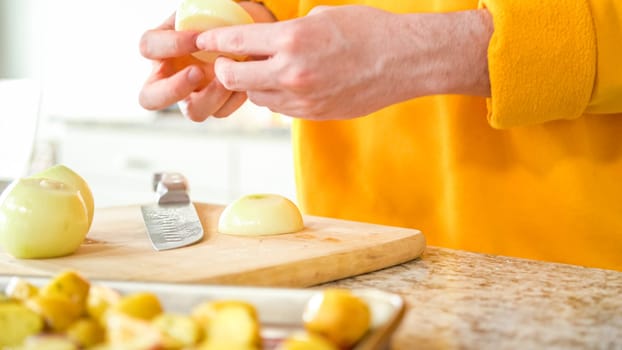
260	214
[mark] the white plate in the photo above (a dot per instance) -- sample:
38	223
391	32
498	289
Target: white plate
280	309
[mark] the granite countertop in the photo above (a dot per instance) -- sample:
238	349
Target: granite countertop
460	300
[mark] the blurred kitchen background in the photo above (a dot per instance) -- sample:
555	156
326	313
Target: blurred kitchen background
70	73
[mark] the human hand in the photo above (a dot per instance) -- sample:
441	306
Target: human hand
347	61
179	77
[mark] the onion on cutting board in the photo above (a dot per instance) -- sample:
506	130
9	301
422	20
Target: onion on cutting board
259	215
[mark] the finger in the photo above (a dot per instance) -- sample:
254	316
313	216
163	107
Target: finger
204	103
163	69
246	75
244	40
159	44
164	92
267	98
234	102
276	101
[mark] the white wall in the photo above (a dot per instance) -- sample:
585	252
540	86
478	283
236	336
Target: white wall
93	68
84	51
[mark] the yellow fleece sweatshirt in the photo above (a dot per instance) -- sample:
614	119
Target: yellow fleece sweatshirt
535	171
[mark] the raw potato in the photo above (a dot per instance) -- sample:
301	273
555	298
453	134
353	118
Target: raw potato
201	15
17	322
228	323
127	332
306	341
86	332
338	315
141	305
68	285
20	289
260	214
180	331
99	300
58	312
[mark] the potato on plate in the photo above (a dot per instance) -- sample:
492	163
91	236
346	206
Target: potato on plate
17	322
99	300
127	332
57	312
20	289
306	341
228	322
86	332
69	285
338	315
141	305
179	331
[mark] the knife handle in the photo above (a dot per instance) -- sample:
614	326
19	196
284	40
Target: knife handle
171	188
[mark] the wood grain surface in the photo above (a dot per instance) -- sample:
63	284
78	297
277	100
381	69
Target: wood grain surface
117	248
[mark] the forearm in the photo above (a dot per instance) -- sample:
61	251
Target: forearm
445	53
355	56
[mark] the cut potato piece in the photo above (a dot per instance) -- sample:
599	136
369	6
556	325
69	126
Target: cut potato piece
69	285
20	289
179	331
17	322
127	332
306	341
101	298
86	332
201	15
141	305
260	214
338	315
228	322
58	312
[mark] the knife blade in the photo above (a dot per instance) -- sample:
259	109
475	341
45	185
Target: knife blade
172	222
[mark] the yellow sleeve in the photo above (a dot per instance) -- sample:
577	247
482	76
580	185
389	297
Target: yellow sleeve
607	96
541	59
282	9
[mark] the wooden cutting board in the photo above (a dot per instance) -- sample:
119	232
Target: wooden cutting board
117	248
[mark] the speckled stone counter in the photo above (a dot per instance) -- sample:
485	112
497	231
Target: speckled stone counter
460	300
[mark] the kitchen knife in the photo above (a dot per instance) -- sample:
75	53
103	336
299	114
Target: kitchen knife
172	222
